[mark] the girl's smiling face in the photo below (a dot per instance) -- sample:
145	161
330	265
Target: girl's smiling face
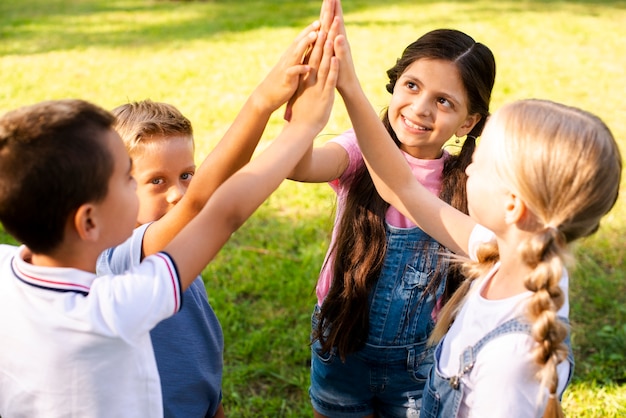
428	107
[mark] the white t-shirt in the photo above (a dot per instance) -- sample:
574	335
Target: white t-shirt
73	344
503	380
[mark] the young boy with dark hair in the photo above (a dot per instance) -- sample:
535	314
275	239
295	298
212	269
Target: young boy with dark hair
78	344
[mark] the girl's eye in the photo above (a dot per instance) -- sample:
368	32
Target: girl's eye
445	102
411	85
157	181
186	176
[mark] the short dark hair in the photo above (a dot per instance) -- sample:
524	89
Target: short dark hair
53	159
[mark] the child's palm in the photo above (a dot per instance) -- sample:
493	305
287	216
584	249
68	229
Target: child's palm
316	92
282	81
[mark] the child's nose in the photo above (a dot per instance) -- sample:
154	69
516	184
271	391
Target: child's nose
175	193
421	106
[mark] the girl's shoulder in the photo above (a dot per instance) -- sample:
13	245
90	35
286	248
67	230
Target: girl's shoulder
347	140
480	235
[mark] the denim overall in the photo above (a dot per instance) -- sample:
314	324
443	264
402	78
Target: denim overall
393	365
442	397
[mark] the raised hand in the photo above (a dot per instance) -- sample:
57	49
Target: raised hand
315	94
347	74
282	81
327	13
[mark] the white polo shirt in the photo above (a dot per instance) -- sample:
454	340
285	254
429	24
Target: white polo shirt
73	344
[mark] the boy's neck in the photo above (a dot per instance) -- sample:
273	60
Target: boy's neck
80	260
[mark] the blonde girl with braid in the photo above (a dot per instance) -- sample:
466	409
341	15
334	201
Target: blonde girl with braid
542	176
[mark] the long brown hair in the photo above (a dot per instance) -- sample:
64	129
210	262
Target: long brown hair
360	247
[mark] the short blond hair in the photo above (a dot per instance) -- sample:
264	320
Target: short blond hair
139	122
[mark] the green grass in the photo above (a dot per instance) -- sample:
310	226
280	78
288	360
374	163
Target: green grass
205	57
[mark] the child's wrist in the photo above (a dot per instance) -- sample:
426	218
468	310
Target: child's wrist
260	104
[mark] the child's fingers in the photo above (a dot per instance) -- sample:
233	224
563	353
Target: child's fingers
333	75
347	73
327	14
304	47
297	51
342	50
328	76
335	29
325	63
300	48
318	50
297	70
338	15
313	27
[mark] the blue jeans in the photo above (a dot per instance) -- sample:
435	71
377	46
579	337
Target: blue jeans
443	396
388	374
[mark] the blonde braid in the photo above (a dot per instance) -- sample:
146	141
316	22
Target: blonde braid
487	255
544	253
564	164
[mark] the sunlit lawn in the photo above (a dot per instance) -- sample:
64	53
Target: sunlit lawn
205	57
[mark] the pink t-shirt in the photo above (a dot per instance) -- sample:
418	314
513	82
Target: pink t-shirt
427	172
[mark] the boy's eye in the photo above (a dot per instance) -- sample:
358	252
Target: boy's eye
186	176
157	181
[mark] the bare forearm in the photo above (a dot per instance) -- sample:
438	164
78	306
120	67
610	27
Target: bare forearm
232	152
234	202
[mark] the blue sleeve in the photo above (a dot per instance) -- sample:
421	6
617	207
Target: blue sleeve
118	259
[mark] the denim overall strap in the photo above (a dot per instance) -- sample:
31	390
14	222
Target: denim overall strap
468	356
400	306
443	396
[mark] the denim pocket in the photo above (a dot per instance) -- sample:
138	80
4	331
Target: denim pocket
316	346
420	361
415	279
323	357
431	399
430	403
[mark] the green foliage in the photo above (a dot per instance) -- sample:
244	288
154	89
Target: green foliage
205	57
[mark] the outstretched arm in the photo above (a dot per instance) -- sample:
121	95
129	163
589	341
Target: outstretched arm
238	144
390	172
327	162
196	245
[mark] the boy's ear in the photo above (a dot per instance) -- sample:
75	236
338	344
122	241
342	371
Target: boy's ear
85	222
468	125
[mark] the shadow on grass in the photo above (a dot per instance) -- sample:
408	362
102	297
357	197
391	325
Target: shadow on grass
38	26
